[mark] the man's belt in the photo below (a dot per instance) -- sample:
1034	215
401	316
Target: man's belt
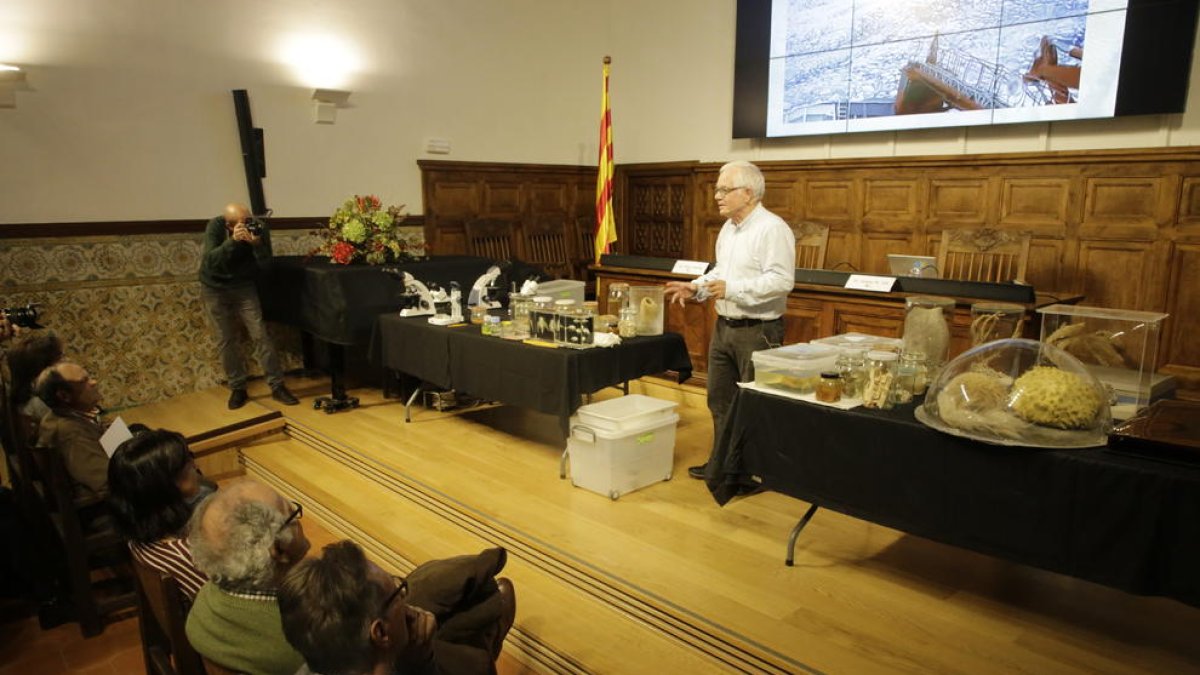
743	323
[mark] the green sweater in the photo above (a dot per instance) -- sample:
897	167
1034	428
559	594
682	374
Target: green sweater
228	263
242	634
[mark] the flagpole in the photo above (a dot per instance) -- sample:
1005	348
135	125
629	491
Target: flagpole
606	226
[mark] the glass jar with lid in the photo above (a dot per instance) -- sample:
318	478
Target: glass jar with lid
829	389
992	321
914	362
852	366
627	322
881	377
927	327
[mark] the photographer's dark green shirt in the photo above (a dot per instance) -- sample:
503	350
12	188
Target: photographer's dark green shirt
228	263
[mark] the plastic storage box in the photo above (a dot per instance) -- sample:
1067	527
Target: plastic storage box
621	445
562	289
1118	346
793	368
861	340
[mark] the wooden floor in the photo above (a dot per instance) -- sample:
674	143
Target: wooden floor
664	579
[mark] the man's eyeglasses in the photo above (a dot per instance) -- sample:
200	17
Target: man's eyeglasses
296	514
722	191
400	592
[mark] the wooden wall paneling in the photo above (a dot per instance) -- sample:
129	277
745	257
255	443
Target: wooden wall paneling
831	200
1039	204
802	321
784	197
501	199
1129	208
1180	353
884	320
546	198
875	247
958	202
1189	205
892	205
1117	273
1045	270
843	250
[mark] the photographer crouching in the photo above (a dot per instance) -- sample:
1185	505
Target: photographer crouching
236	248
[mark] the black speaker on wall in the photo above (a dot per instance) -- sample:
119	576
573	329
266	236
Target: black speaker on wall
254	158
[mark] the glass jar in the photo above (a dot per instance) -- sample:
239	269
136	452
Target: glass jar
915	363
477	314
991	321
491	325
852	366
881	376
618	297
506	330
829	390
927	328
627	322
904	385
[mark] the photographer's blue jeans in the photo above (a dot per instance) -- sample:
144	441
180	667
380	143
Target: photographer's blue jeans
225	308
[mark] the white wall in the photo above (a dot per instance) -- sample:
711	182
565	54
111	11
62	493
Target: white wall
131	117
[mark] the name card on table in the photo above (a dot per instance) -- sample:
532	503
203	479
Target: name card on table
692	267
869	282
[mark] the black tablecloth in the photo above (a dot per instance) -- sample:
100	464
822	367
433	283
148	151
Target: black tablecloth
340	303
1122	521
548	380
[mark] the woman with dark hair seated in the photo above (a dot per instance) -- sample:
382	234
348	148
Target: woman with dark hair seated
153	485
28	357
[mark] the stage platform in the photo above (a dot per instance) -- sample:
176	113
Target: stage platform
663	580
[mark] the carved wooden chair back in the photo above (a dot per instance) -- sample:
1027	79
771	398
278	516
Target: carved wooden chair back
984	254
811	242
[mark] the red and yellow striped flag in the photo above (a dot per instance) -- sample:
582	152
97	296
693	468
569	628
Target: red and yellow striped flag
606	225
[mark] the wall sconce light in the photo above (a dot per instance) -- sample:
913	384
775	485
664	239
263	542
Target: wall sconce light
325	104
12	79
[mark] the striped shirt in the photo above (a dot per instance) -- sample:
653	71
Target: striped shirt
173	557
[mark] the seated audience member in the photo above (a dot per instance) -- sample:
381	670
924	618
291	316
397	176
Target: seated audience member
29	355
72	427
349	617
244	538
153	483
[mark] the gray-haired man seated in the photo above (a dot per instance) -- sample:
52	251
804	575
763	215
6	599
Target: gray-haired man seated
244	538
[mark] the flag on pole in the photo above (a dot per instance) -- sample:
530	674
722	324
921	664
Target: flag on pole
606	225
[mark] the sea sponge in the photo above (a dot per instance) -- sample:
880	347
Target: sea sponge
1055	398
975	390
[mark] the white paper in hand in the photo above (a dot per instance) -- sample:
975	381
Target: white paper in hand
117	434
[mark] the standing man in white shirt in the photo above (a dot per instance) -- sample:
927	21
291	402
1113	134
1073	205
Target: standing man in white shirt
755	270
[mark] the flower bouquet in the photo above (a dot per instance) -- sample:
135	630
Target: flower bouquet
362	230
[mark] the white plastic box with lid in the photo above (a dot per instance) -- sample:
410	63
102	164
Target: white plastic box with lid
562	289
622	444
793	368
860	341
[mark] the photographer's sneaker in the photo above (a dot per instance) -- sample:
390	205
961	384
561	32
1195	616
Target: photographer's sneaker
238	398
284	396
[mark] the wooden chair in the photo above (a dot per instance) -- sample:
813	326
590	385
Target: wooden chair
984	254
546	246
491	238
811	241
97	547
162	616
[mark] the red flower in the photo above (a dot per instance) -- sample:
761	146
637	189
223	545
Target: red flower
342	253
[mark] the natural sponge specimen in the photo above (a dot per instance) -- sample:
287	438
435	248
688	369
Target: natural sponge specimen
976	391
1054	398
